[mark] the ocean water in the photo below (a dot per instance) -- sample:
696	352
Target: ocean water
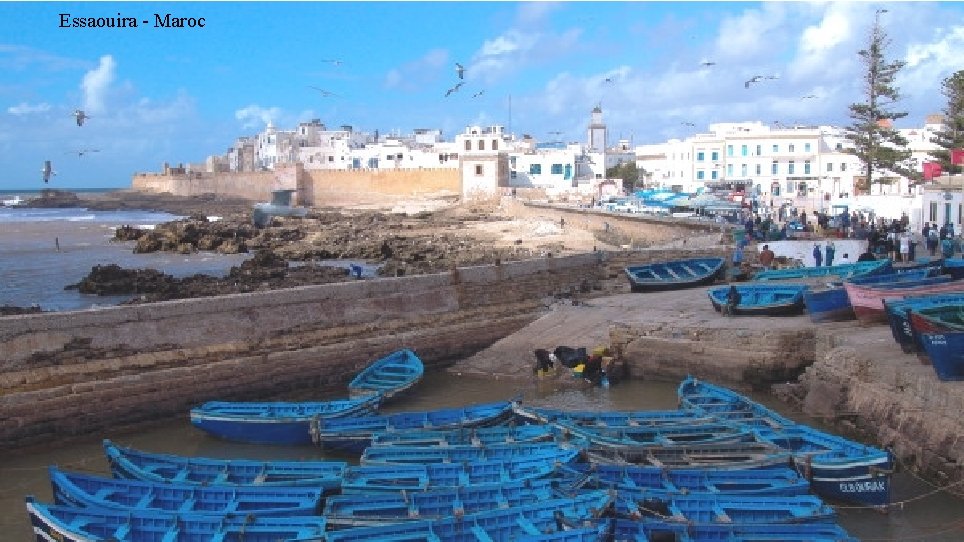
44	250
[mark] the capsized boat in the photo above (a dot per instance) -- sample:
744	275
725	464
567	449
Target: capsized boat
762	299
166	468
674	274
280	423
388	376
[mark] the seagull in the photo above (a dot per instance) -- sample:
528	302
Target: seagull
324	92
82	152
477	94
47	171
687	124
707	63
754	79
335	62
808	96
80	116
454	89
460	69
609	80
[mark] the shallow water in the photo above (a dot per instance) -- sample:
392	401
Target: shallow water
936	517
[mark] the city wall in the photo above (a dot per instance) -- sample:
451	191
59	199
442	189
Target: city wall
76	373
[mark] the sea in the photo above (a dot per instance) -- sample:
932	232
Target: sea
34	271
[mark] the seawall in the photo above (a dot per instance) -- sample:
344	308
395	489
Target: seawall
75	373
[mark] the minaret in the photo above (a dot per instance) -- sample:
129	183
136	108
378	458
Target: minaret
597	131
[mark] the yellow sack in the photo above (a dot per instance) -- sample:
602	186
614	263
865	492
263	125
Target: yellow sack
577	370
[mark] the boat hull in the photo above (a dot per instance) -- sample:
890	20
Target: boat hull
762	299
868	301
831	305
946	353
675	274
389	376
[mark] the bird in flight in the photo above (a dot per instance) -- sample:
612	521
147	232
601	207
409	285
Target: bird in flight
334	62
80	116
708	63
47	171
82	152
477	94
754	79
809	96
608	80
324	92
460	69
454	89
688	124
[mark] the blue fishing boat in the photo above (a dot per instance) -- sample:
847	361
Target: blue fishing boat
740	455
868	300
274	422
476	436
165	468
898	316
354	510
553	452
645	531
355	434
944	317
675	274
90	491
897	275
639	418
706	508
388	376
424	477
946	352
761	299
530	521
837	468
628	437
840	271
655	481
828	305
69	524
954	267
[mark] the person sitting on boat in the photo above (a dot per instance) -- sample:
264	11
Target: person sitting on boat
732	300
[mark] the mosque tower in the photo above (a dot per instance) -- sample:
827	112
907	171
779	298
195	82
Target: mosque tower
597	131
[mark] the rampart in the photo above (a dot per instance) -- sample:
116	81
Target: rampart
75	373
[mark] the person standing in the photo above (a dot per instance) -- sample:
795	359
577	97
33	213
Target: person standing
904	241
817	255
830	250
932	239
766	257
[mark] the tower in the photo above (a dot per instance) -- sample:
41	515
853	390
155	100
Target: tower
597	131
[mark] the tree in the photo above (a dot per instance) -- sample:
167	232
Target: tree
951	136
875	141
627	172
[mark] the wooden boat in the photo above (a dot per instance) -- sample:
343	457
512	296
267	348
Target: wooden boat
629	437
549	451
946	352
828	305
70	524
355	434
898	316
741	455
424	477
837	468
628	529
353	510
164	468
897	275
592	418
954	267
706	508
943	317
868	301
675	274
389	376
655	481
524	522
476	436
274	422
90	491
762	299
841	271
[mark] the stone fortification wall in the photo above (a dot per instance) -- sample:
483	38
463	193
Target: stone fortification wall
256	186
327	187
74	373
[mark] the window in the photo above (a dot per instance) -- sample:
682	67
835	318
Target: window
700	175
789	187
373	163
843	166
743	150
495	144
729	170
829	167
468	145
715	155
743	170
479	169
759	169
791	147
331	158
774	168
512	174
759	150
729	150
556	169
806	147
356	163
947	213
776	149
806	167
535	169
699	156
933	211
398	156
481	145
775	189
790	166
714	175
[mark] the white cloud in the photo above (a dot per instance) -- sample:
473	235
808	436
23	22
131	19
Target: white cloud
255	116
821	45
414	75
752	33
23	108
96	84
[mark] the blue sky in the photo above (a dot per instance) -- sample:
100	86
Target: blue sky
181	94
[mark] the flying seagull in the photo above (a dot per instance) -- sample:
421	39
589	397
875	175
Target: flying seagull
324	92
335	62
687	124
754	79
808	96
454	89
707	63
80	116
47	171
609	80
460	69
82	152
477	94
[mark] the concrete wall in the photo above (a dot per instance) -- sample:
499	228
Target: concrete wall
75	373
